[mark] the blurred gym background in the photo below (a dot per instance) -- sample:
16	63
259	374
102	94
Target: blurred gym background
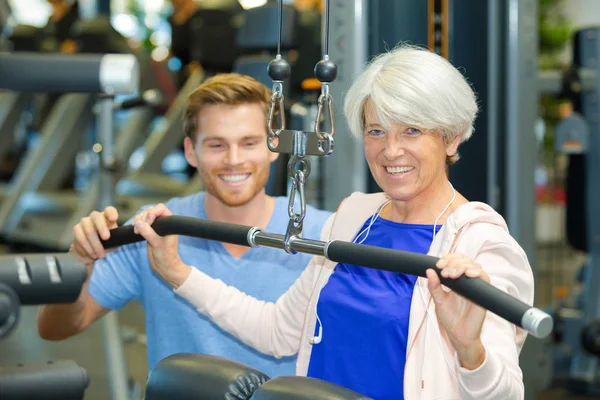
524	59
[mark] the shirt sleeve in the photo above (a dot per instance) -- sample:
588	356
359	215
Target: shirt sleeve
116	279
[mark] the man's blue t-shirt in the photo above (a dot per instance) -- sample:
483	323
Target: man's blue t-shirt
172	324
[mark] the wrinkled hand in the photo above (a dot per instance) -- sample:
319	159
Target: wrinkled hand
87	233
162	251
461	318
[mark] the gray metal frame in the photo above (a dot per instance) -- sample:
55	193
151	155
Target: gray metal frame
521	106
494	41
113	342
345	171
520	77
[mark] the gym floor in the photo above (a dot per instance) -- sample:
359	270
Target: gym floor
25	346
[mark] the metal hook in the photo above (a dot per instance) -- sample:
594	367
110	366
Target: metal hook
324	96
276	101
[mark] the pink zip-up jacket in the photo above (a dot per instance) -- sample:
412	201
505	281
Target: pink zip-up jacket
432	368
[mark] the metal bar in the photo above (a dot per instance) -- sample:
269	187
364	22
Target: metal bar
113	343
347	172
493	95
314	247
115	357
106	149
360	53
521	106
270	240
308	246
504	305
513	131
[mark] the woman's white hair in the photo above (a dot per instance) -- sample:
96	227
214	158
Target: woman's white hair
415	87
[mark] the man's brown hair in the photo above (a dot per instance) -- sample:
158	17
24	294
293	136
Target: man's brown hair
231	89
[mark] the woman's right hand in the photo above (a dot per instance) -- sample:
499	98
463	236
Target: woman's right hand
88	233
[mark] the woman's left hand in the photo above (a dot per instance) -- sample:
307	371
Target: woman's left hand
461	318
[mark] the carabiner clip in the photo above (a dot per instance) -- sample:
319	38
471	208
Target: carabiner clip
276	101
324	96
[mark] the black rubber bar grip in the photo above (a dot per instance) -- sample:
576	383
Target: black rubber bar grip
183	226
50	73
43	278
477	290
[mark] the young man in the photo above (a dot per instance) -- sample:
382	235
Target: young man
225	127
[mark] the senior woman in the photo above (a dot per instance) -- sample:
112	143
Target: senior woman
389	335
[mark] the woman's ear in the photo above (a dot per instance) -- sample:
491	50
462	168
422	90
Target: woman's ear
452	147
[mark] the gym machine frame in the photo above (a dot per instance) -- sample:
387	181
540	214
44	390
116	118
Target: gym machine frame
318	143
107	76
